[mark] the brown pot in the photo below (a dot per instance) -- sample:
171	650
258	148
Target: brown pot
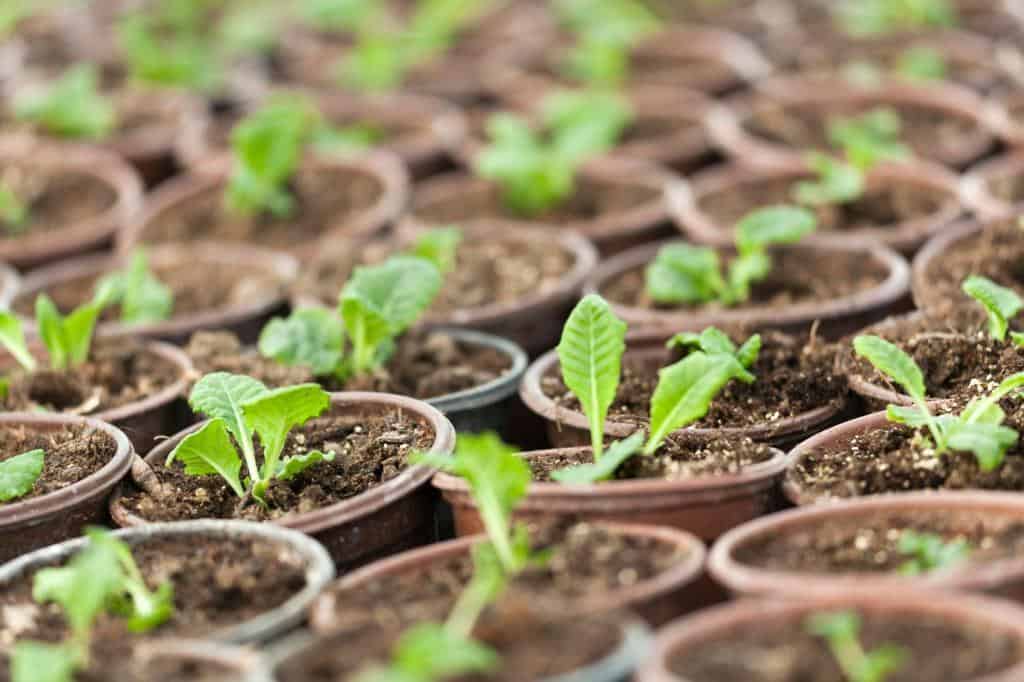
380	169
836	318
245	320
706	506
657	600
973	613
1003	578
425	128
40	521
689	211
92	234
630	196
237	662
818	97
9	283
927	294
994	187
393	516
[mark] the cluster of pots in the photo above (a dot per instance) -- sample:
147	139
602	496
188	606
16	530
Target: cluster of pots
711	140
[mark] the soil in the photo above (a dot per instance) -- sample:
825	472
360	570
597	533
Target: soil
774	651
223	352
216	584
794	376
368	451
795	279
114	376
72	453
54	200
870	544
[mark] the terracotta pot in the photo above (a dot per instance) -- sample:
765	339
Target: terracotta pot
9	283
143	420
425	128
993	188
706	506
630	195
244	319
819	97
40	521
319	570
732	620
689	205
836	318
92	234
657	600
928	295
379	169
386	519
1001	578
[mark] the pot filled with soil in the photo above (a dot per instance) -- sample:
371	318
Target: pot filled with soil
205	285
913	637
61	200
76	461
996	187
346	478
954	541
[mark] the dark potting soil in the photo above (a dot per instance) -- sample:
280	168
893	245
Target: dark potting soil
116	374
324	198
774	651
223	352
367	451
793	377
54	201
870	544
72	453
796	278
587	562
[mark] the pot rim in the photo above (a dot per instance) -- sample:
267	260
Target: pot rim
936	247
498	388
976	184
344	511
319	567
10	282
240	659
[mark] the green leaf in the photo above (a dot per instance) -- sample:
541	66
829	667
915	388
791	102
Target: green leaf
68	340
14	214
604	468
379	62
168	57
439	246
19	474
311	337
41	662
773	225
433	651
274	414
891	361
911	416
70	107
220	395
597	62
347	139
1017	338
988	442
296	464
143	297
834	625
880	663
143	609
884	17
51	330
928	552
870	138
12	338
590	355
1002	304
585	123
749	351
210	451
836	183
682	273
922	63
338	15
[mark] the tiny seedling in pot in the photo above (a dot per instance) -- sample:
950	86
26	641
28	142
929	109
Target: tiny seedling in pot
841	630
928	552
71	107
1001	304
686	274
141	295
18	474
978	429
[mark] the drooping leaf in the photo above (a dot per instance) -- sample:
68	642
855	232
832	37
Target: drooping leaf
19	474
1001	303
274	414
210	451
311	337
12	338
604	468
891	361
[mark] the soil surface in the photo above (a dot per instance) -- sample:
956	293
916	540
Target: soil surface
870	544
774	651
54	201
71	453
367	451
114	376
223	352
794	376
795	279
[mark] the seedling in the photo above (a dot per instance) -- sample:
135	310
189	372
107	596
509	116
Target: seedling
347	139
686	274
604	32
169	52
14	216
837	182
978	429
102	577
18	474
142	296
68	339
70	107
536	168
429	652
869	139
882	17
240	409
379	62
440	246
1001	304
927	552
841	629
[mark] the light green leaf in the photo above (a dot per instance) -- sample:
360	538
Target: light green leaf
70	107
682	273
911	416
274	414
584	123
772	225
439	246
922	63
296	464
1002	304
836	183
749	351
142	296
210	451
311	337
604	468
19	474
891	361
12	338
41	662
988	442
220	395
51	330
744	270
928	552
433	651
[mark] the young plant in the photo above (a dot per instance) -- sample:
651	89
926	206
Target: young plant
978	429
1001	304
68	339
14	215
241	409
429	652
346	139
440	246
70	107
927	552
336	16
686	274
841	629
18	474
869	139
165	52
141	295
883	17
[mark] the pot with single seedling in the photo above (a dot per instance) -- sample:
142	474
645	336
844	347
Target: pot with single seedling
701	480
90	605
335	466
56	472
905	636
769	280
515	282
171	290
59	200
287	198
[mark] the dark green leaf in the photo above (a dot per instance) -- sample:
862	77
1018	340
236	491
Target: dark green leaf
310	337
